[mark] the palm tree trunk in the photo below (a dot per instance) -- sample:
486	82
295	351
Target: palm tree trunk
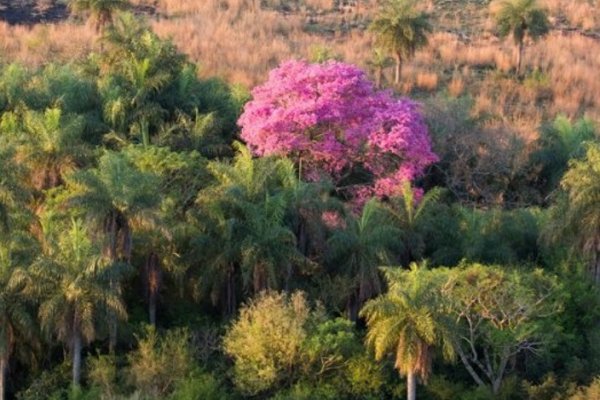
3	371
230	292
153	282
519	57
398	71
77	346
112	324
378	75
111	234
352	307
411	386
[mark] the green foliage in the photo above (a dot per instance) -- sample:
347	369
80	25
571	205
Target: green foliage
560	142
200	386
576	217
162	363
103	373
521	18
360	247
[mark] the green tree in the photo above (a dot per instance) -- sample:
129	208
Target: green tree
521	19
116	196
72	282
100	11
357	250
411	215
559	142
242	233
18	330
401	29
407	322
51	144
499	313
161	362
578	217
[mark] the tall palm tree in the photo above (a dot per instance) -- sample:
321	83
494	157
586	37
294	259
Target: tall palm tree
100	11
72	282
17	323
521	19
580	217
405	322
364	244
401	29
115	196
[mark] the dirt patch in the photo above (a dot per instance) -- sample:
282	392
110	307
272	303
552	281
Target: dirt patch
29	12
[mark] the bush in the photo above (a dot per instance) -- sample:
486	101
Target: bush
266	339
199	386
160	363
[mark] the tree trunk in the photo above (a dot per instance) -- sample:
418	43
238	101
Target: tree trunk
112	324
77	346
378	75
230	292
153	274
398	70
3	371
468	367
352	307
411	386
519	57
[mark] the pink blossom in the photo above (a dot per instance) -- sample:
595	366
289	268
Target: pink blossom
330	119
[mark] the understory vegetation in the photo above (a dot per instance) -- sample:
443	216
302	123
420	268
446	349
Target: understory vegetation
172	233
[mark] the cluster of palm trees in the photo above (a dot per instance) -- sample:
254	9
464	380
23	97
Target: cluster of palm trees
401	28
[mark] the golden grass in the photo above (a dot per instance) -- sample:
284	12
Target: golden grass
240	42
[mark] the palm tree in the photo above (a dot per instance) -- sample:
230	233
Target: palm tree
268	248
116	196
405	322
100	11
410	214
379	62
521	19
51	146
580	217
241	231
72	282
360	248
401	29
17	324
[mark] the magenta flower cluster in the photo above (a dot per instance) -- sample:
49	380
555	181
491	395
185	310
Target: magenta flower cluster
330	120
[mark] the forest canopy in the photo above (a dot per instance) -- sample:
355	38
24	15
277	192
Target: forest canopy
323	235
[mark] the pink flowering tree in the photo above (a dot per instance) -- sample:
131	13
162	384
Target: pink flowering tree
333	123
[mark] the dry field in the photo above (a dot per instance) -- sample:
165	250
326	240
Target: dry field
241	40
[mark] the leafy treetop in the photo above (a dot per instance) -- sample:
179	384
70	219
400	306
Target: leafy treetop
333	123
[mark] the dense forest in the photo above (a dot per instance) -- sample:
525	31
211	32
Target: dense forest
327	232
